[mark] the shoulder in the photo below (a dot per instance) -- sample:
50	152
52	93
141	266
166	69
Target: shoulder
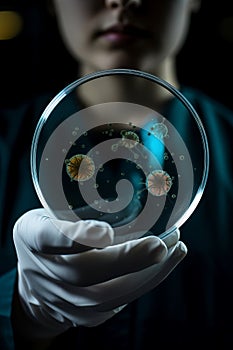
217	120
32	107
207	106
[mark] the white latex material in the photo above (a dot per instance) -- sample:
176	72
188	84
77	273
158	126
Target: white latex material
64	283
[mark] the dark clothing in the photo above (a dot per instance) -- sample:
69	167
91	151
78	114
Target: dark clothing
193	307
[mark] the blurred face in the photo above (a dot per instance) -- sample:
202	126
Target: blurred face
139	34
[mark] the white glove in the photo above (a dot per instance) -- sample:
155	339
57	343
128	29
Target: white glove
64	283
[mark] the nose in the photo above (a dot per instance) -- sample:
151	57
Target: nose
122	3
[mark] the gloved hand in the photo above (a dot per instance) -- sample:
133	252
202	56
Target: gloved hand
85	280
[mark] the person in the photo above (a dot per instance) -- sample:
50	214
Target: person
83	289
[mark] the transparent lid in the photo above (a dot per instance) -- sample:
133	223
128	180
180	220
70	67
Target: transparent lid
137	164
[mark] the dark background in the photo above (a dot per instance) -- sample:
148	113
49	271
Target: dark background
35	61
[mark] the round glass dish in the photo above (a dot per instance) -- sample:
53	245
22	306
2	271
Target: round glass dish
137	164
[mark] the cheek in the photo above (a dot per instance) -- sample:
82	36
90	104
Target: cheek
169	20
172	32
73	17
74	33
178	25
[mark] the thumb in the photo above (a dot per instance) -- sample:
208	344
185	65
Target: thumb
52	236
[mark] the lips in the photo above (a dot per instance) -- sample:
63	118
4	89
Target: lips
119	34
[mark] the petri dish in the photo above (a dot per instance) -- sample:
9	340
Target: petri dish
138	164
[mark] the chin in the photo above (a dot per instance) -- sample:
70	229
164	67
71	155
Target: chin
117	63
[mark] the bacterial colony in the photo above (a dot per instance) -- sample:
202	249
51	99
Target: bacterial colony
81	167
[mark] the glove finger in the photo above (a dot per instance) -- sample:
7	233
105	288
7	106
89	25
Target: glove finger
107	296
99	265
125	289
172	239
51	236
